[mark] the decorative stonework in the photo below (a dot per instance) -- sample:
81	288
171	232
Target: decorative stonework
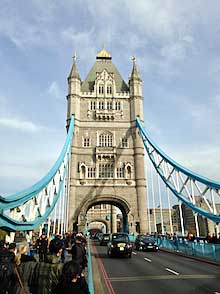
107	160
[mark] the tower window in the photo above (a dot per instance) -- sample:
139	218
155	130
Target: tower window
117	105
120	172
91	172
101	105
86	142
109	89
124	143
109	105
101	89
106	170
105	140
92	105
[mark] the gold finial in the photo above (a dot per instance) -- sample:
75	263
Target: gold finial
134	59
104	54
74	56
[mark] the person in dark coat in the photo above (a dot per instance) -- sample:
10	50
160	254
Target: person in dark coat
68	282
78	252
8	279
42	244
26	266
48	272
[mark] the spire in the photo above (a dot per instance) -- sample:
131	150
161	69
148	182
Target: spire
135	74
74	71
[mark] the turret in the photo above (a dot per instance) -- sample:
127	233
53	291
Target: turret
135	87
74	91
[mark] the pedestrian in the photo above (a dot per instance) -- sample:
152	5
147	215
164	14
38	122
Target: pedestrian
8	280
69	279
42	244
26	266
78	252
48	272
13	250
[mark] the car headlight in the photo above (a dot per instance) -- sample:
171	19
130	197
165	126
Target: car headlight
112	246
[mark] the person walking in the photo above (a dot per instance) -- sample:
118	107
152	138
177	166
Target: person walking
69	280
78	252
26	266
48	272
42	244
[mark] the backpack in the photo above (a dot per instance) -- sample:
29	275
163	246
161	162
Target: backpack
7	272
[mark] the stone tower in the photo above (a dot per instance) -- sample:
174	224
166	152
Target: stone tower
107	158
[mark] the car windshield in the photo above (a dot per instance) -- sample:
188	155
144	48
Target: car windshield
120	237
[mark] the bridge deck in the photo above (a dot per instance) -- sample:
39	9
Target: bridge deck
152	272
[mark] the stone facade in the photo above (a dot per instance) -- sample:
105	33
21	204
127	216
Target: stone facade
103	217
107	158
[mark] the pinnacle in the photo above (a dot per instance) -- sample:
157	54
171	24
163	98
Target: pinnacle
135	74
74	71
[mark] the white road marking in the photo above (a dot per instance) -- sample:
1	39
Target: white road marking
216	293
171	271
134	253
147	259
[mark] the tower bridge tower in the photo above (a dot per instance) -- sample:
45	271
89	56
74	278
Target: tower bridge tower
107	158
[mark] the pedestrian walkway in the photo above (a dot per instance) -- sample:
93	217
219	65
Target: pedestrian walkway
98	278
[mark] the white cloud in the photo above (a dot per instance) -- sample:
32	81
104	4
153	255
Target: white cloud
55	90
80	39
19	124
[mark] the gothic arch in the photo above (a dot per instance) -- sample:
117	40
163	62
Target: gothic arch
100	220
115	200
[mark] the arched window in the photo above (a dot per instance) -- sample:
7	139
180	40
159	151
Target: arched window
106	140
109	105
117	105
128	172
101	89
109	89
82	171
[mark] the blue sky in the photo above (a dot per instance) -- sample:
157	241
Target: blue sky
177	46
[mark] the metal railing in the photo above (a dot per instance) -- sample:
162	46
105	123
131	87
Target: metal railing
195	248
90	275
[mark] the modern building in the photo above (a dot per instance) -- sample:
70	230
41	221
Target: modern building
205	225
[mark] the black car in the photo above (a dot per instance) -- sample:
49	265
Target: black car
144	242
104	239
119	244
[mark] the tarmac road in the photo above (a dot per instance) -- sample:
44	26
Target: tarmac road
157	273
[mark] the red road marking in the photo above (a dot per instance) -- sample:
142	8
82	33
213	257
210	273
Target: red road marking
104	273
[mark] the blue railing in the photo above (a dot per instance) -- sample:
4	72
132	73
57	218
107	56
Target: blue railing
90	276
200	249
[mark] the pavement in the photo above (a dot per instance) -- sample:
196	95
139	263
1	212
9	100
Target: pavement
99	280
